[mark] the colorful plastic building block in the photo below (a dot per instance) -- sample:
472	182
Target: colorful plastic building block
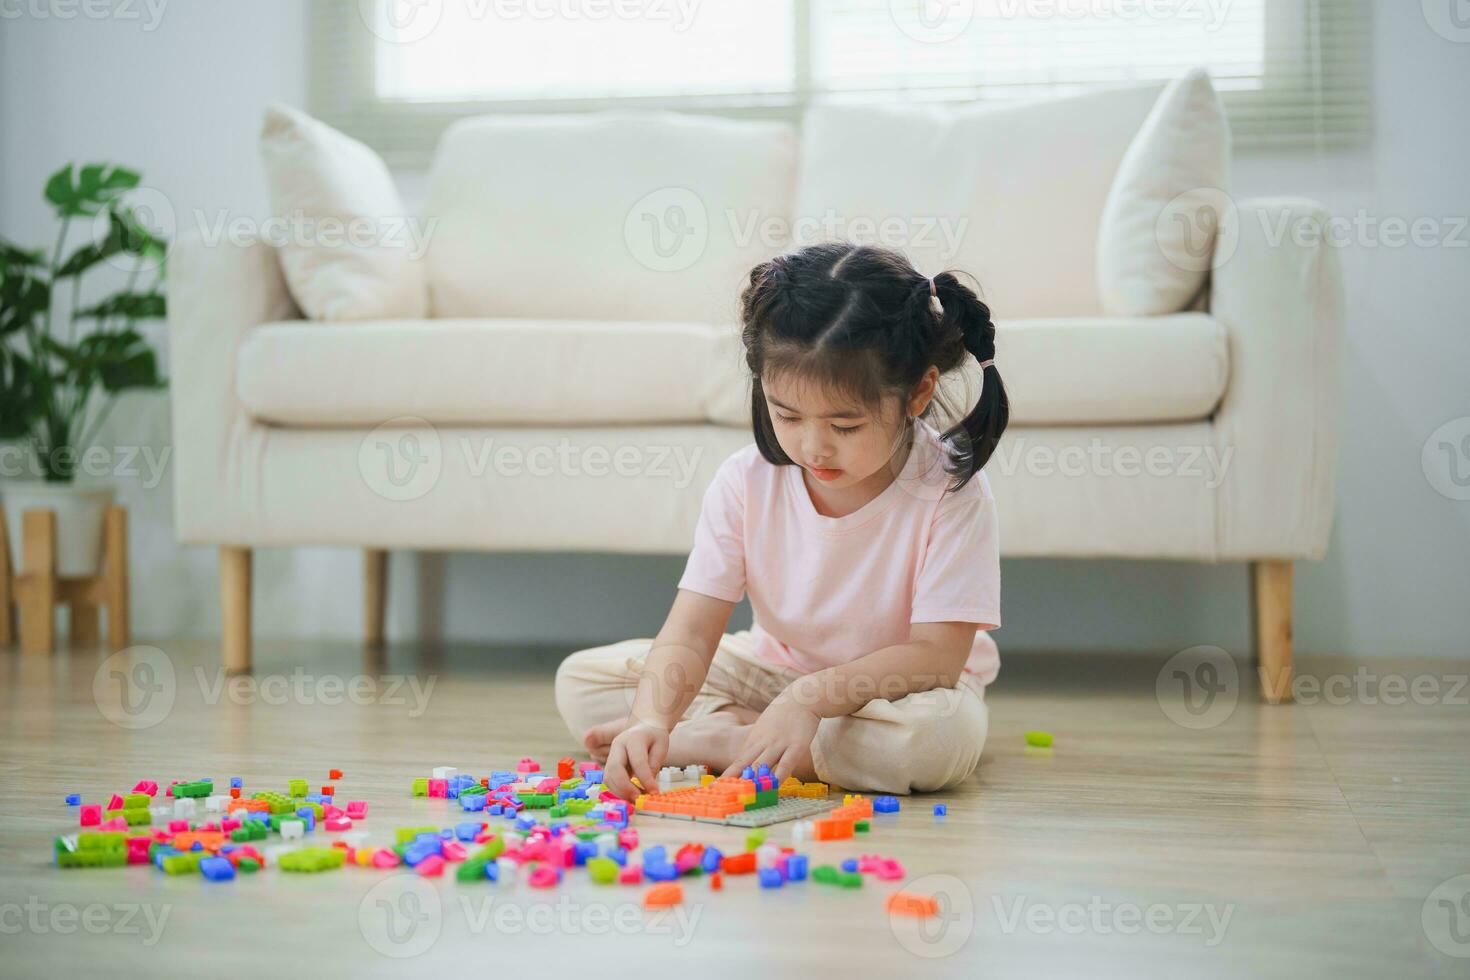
91	814
911	903
1039	740
74	799
885	804
940	809
664	895
334	773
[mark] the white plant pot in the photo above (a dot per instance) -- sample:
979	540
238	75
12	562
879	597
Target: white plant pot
80	510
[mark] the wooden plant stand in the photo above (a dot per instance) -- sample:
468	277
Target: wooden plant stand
33	586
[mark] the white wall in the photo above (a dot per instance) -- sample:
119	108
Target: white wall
182	103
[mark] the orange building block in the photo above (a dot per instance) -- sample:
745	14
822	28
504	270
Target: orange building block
912	903
738	864
663	895
833	828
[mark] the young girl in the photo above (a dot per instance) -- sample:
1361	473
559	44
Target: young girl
866	540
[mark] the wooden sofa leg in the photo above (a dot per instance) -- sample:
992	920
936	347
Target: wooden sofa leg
375	595
234	602
1271	615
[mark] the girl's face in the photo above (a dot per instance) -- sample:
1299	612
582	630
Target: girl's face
840	443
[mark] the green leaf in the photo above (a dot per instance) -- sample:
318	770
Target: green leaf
89	255
93	189
20	402
132	306
23	299
133	236
13	257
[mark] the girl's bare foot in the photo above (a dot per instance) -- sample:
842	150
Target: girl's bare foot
599	738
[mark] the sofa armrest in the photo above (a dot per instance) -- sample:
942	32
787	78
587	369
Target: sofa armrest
216	292
1281	304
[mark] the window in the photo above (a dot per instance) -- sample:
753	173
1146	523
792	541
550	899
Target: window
396	72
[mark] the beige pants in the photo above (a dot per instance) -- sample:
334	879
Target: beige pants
922	742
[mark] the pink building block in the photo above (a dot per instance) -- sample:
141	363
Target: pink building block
226	825
587	766
146	786
431	866
528	765
628	839
384	858
631	875
357	809
116	823
438	788
91	814
138	849
178	826
338	823
544	876
454	851
115	803
548	785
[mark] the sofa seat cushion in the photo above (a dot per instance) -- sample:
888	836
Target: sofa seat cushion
532	372
1072	371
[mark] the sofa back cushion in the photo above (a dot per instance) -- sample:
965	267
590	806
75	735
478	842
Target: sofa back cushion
618	215
1012	194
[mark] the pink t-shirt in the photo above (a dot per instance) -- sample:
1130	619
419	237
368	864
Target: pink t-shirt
827	590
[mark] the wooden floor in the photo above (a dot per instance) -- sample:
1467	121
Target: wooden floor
1292	841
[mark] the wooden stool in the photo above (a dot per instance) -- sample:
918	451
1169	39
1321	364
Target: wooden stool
36	589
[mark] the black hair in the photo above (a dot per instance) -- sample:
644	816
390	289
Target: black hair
858	319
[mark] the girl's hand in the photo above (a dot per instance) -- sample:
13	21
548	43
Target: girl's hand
779	738
639	751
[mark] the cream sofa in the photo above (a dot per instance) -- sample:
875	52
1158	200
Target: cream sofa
579	382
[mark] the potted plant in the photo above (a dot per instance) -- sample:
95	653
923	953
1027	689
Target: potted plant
62	369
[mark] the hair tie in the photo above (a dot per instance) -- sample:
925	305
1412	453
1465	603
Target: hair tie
986	364
932	290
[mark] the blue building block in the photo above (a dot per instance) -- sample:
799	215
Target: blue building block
74	799
655	854
796	867
467	831
582	850
473	802
940	809
885	804
526	822
850	864
217	869
618	855
770	877
236	782
494	810
763	770
748	773
659	870
308	816
492	871
710	860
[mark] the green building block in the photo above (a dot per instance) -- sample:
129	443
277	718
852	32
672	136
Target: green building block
297	787
134	800
557	812
860	827
1040	740
421	786
471	869
248	865
603	870
194	790
405	834
311	859
182	864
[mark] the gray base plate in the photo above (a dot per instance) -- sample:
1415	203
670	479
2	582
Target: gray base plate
788	808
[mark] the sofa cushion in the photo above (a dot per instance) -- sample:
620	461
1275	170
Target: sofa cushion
572	372
577	372
348	255
1157	238
616	215
1011	194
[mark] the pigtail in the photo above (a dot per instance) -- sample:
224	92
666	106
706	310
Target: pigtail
975	437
